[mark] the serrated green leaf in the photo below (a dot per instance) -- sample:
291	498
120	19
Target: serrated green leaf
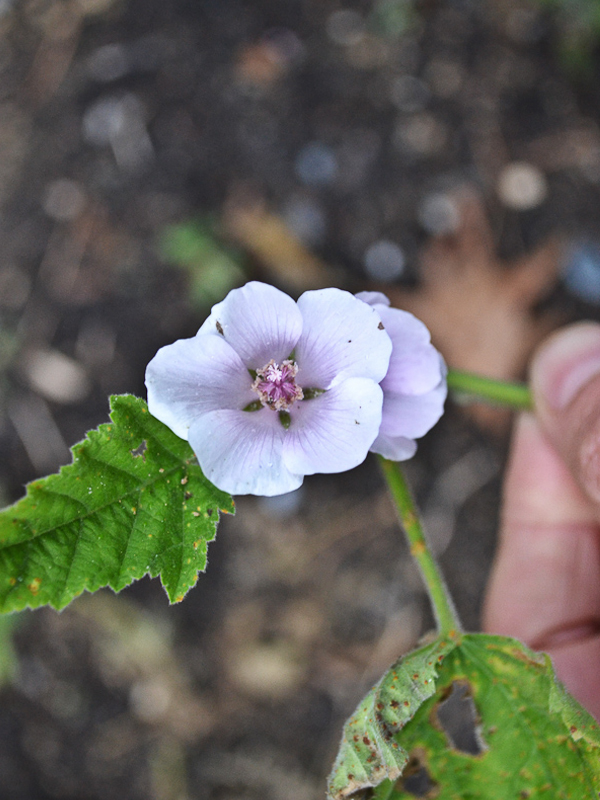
133	502
580	724
536	741
369	751
9	662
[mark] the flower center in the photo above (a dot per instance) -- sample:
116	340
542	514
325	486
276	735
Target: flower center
276	385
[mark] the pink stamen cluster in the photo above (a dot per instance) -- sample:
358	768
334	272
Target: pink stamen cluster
276	385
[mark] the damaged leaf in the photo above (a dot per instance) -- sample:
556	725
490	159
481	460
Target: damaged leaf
535	740
133	502
370	751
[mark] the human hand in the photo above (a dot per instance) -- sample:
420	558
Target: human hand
545	585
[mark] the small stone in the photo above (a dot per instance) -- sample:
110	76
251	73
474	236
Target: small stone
384	261
522	186
63	200
316	164
438	214
150	699
56	376
306	219
582	271
108	63
120	123
103	120
266	670
422	134
345	27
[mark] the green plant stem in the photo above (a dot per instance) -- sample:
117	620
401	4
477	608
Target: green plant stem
502	393
445	614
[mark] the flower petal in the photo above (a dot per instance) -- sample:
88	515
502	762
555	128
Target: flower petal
192	376
396	448
333	432
412	416
373	298
415	365
241	452
342	337
259	322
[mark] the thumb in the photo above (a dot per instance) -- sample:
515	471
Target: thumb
565	381
545	585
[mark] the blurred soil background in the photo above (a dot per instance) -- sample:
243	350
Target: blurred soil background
153	155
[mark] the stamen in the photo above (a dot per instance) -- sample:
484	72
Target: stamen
276	385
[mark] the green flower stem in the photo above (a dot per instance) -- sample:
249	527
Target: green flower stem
502	393
445	614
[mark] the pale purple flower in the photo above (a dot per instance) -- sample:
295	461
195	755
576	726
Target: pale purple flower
414	388
270	390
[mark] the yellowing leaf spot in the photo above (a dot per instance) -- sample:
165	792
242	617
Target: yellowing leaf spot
12	581
34	586
134	510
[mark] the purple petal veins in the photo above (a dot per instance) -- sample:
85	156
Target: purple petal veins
269	390
258	321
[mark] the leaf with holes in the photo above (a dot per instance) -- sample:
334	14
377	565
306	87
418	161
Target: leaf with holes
369	751
512	731
133	502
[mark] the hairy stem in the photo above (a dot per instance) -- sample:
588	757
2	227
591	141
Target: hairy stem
445	614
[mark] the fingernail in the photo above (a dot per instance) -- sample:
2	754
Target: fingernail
563	366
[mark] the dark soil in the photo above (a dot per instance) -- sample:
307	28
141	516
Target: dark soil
119	118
